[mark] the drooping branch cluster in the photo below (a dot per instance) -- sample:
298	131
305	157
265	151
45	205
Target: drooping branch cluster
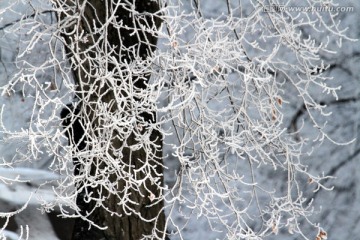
212	85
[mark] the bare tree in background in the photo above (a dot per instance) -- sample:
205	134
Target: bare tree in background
216	83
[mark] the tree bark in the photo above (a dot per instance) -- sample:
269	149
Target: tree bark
94	30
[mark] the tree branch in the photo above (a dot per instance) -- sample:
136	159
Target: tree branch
24	18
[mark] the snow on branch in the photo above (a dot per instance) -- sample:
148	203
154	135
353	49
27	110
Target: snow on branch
208	86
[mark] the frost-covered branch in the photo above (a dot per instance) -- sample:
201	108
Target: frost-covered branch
208	87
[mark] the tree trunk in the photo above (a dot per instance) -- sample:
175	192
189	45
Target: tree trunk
102	38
